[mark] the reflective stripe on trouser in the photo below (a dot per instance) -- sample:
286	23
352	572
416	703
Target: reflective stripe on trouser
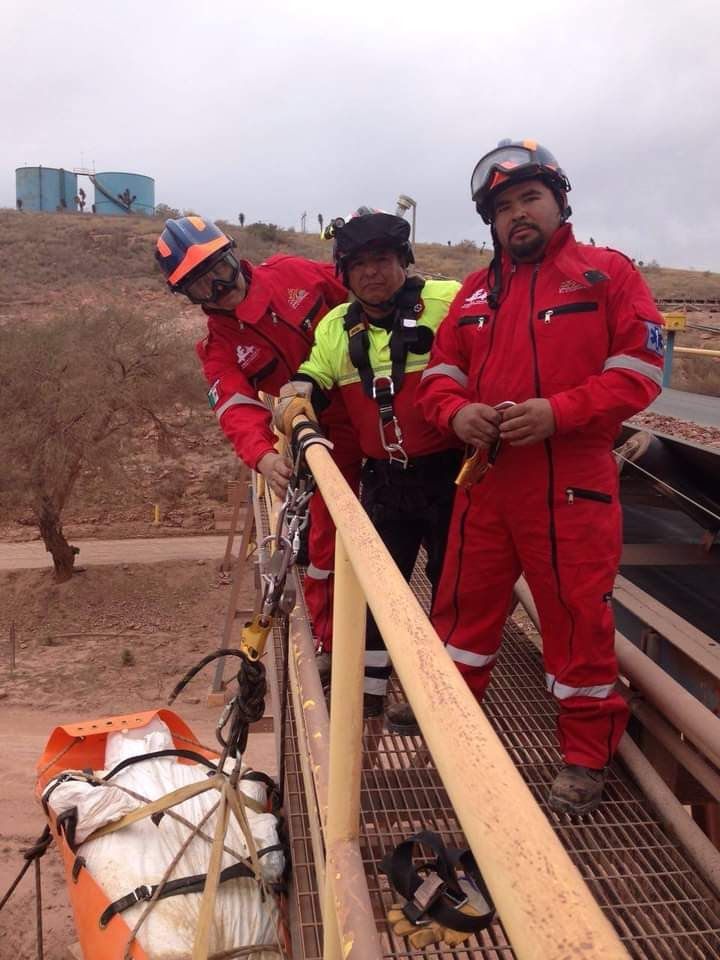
503	526
377	672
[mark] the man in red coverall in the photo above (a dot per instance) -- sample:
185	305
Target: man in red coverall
260	329
570	336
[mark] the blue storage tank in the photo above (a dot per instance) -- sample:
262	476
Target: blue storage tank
45	188
118	194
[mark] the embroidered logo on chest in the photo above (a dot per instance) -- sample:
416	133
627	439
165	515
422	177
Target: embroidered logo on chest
246	355
296	297
569	286
480	296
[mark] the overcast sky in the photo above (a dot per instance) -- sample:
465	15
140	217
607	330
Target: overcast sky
277	107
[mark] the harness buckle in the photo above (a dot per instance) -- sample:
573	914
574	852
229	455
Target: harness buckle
423	898
143	892
389	388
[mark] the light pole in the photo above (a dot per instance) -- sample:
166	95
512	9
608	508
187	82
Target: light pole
405	203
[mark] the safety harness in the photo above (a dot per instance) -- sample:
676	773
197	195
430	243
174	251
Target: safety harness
445	898
406	336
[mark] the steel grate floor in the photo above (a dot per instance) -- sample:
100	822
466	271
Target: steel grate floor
640	877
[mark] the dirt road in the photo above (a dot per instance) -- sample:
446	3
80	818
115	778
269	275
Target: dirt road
33	556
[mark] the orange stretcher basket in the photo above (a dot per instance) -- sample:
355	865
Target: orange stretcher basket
79	746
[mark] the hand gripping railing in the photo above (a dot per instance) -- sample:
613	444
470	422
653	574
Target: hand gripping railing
545	906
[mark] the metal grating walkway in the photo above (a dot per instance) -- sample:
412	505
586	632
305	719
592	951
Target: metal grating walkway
661	909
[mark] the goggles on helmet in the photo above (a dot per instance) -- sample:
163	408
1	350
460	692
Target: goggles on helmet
513	162
214	281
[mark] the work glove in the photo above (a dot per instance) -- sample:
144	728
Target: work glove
423	934
294	400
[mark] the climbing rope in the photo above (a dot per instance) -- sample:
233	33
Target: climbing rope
668	486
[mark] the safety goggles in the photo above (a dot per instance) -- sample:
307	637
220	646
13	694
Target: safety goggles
214	282
502	162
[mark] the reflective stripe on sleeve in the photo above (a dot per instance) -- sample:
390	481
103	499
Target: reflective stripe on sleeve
377	658
562	691
622	361
236	400
446	370
469	658
317	573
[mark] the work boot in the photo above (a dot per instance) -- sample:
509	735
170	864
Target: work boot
323	663
577	790
401	719
373	705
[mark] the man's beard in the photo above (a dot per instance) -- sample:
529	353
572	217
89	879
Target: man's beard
528	248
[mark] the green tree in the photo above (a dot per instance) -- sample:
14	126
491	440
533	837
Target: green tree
73	390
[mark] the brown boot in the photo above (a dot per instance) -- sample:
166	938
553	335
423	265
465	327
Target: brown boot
577	790
401	719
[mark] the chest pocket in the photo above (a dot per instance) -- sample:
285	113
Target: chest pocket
480	321
587	306
263	373
256	362
308	323
572	343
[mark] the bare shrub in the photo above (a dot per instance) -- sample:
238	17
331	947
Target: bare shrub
75	389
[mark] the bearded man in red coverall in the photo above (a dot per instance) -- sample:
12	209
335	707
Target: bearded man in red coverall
260	329
566	339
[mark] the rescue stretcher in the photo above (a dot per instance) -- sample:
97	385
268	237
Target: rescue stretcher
135	805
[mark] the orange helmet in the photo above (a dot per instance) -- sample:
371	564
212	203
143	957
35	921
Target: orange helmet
510	162
189	247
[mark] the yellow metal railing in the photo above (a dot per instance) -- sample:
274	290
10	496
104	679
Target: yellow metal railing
545	906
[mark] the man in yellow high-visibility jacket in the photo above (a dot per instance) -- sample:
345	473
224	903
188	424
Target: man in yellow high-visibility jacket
375	349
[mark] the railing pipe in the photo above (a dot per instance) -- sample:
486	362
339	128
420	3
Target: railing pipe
544	904
684	711
697	846
346	896
684	753
696	352
694	842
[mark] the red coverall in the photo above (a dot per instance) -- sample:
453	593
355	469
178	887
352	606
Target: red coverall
581	329
259	349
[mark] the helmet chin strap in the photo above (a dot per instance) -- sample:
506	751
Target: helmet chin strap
385	305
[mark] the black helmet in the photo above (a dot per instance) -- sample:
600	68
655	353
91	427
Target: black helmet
367	230
510	162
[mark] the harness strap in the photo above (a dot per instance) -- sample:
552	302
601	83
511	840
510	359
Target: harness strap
405	337
173	888
440	892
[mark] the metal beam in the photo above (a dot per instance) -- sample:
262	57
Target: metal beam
698	646
668	555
